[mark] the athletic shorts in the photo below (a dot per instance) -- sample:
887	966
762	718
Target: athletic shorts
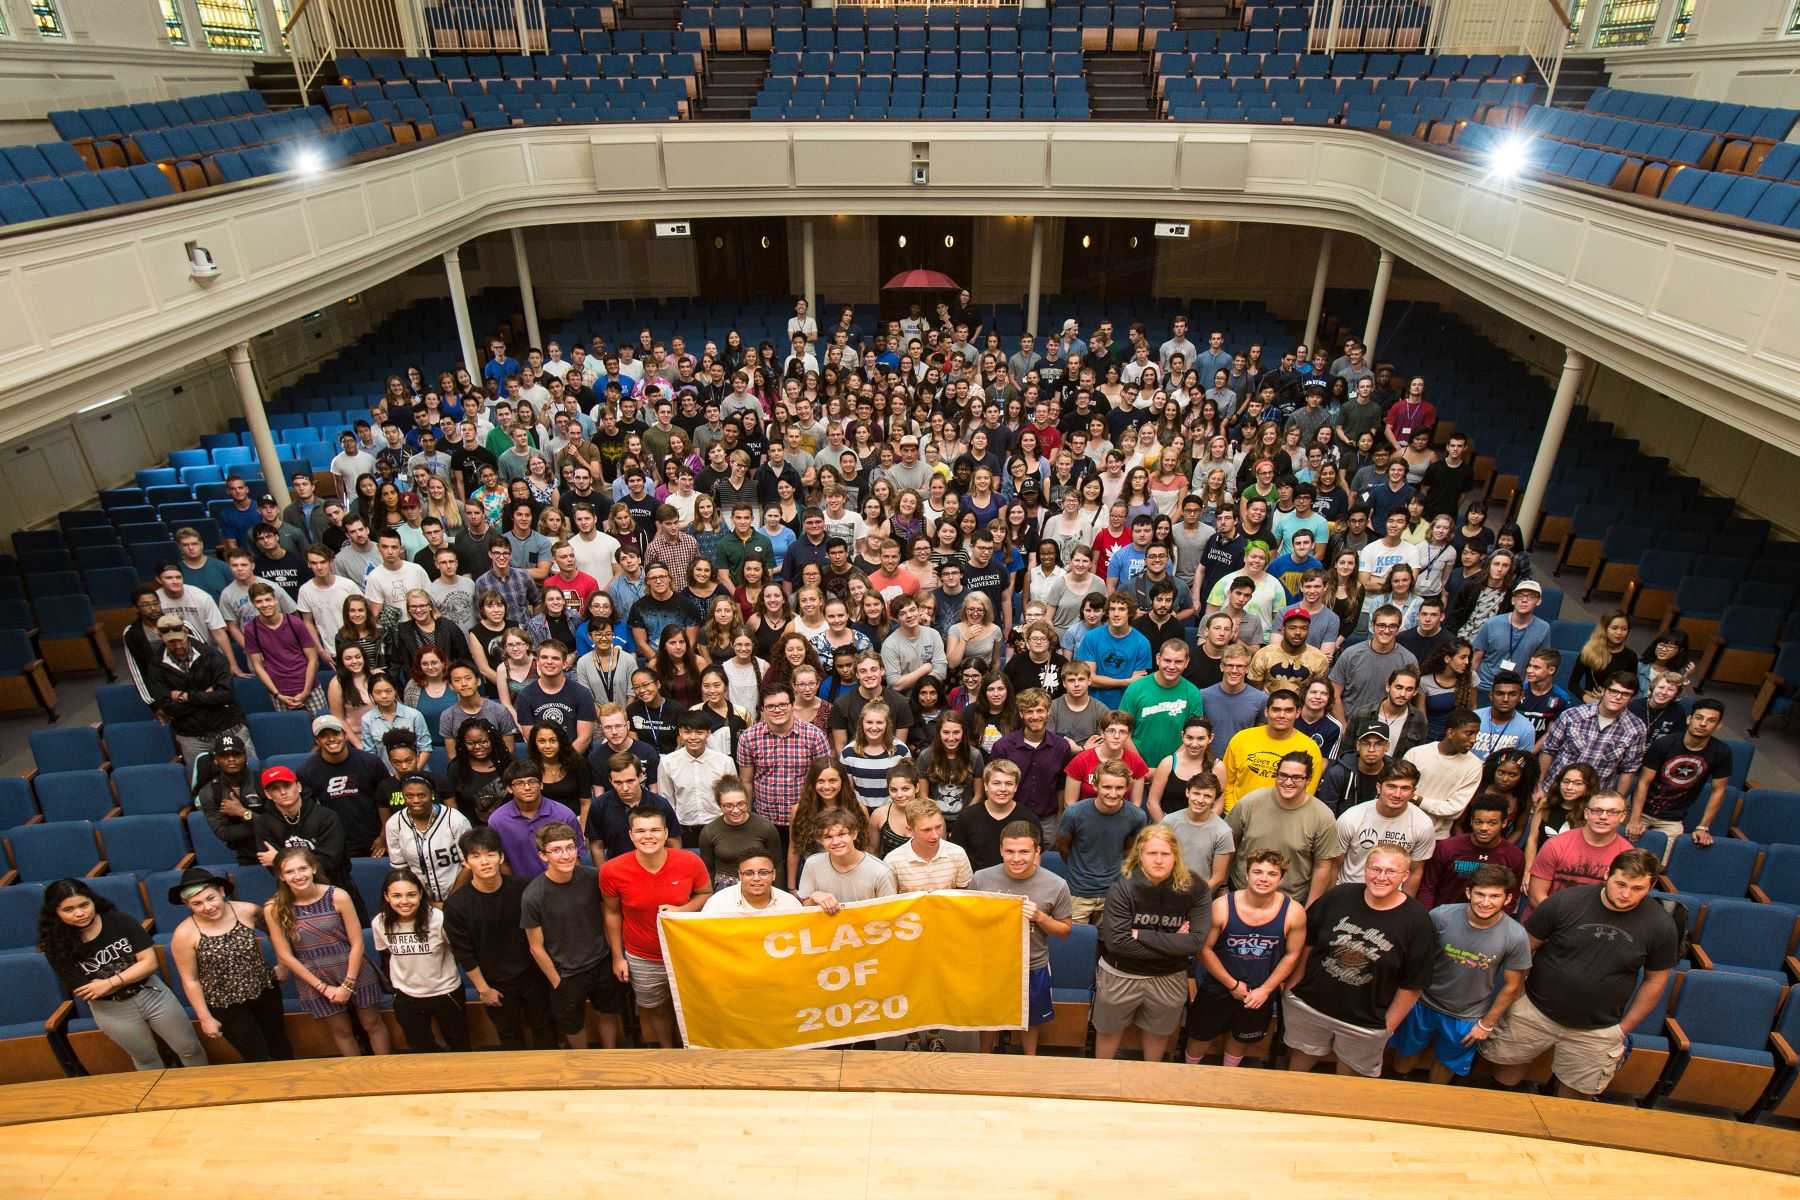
649	981
1151	1002
1213	1013
1040	1010
595	986
1426	1026
1585	1059
1309	1031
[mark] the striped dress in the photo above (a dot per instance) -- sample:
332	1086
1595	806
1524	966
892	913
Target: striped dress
322	943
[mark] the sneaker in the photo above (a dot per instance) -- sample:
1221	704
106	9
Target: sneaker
936	1045
913	1043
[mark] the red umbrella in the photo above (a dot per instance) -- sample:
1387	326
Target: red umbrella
920	280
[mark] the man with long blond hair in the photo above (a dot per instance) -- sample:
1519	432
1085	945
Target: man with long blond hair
1154	926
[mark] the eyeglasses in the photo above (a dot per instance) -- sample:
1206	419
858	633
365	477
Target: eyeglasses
1382	872
776	705
1290	777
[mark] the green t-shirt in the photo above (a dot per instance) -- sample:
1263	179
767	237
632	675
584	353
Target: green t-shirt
1160	713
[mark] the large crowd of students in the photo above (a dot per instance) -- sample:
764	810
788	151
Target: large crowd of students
733	628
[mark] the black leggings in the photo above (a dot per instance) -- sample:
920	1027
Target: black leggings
416	1014
255	1029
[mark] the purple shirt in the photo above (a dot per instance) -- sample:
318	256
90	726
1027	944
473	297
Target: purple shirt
518	835
283	650
1040	768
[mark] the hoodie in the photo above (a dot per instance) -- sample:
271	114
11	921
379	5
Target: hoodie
1156	912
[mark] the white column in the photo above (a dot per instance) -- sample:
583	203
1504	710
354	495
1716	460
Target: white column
1317	306
1574	367
459	300
525	292
250	396
1384	272
809	273
1037	276
404	11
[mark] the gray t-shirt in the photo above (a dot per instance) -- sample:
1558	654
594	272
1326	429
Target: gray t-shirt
1097	842
452	719
869	879
1230	712
1065	599
1078	727
455	601
1362	674
1044	888
1471	962
354	564
1201	843
1188	549
1363	827
571	916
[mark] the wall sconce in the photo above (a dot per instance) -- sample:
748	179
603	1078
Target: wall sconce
201	266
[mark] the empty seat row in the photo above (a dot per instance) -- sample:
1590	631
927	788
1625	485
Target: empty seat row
1664	143
120	119
922	62
1719	116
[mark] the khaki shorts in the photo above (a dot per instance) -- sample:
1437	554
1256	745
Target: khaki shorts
649	981
1585	1059
1088	909
1153	1003
1307	1030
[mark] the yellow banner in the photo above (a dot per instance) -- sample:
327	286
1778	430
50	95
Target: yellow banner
939	960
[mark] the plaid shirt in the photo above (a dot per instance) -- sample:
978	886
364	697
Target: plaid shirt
518	589
677	553
1578	738
780	763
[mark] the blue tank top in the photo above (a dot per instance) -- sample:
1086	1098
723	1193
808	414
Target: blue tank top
1249	952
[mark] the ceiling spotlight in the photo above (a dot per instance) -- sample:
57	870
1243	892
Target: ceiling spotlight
903	241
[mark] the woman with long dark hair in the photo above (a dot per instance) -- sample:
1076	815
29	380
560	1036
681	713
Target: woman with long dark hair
568	777
477	787
427	985
107	961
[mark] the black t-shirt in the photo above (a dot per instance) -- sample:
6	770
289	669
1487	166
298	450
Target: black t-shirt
1202	670
1047	677
469	462
354	790
287	572
1222	556
1422	645
112	952
483	931
1361	956
1682	774
571	704
847	709
990	581
978	832
1585	973
1445	485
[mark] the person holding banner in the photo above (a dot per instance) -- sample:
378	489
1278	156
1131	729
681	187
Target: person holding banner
841	872
1048	907
1154	926
755	890
636	888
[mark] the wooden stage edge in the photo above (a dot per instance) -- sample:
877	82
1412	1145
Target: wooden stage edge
1646	1131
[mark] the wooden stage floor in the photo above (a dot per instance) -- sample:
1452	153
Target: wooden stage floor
883	1126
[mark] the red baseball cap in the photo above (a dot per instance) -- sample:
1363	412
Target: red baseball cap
1296	613
278	775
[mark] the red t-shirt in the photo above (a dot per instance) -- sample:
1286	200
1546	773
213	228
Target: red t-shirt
1083	766
1567	860
641	894
1105	542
